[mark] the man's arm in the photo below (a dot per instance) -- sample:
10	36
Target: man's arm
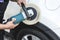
2	26
8	25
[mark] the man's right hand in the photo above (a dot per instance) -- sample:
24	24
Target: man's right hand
10	25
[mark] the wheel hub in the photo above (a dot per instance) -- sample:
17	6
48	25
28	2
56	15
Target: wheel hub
30	37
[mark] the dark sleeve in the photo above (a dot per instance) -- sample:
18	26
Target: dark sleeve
2	10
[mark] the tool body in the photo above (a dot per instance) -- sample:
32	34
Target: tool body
19	17
24	15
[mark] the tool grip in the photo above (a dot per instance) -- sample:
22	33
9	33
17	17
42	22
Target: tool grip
17	18
25	10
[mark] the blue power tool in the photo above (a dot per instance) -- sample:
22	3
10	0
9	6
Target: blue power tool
20	17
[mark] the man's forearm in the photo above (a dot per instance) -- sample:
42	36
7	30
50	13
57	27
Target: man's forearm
3	26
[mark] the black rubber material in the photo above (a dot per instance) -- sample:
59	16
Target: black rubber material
47	31
37	29
27	31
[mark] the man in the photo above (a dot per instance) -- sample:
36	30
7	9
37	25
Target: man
8	25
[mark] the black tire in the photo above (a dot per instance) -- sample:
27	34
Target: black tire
39	30
34	32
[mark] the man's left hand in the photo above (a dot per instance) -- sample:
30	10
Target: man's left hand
21	1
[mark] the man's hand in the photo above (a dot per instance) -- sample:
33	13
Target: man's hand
20	1
10	25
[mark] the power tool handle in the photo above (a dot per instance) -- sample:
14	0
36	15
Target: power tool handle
25	10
